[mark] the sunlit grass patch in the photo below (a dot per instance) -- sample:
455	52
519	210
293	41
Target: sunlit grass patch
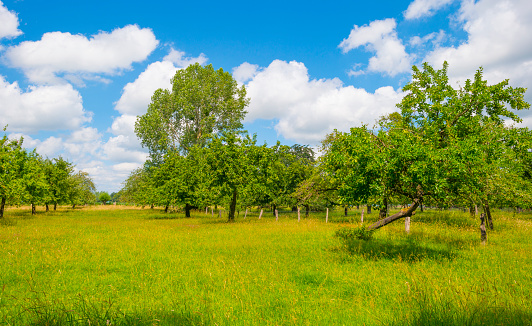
135	266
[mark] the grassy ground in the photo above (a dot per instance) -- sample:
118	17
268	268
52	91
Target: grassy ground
126	266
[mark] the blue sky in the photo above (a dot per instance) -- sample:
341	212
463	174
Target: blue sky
74	75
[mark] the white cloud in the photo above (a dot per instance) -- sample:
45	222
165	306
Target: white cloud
178	58
307	110
424	8
57	53
56	107
8	23
499	40
245	72
381	38
436	38
136	95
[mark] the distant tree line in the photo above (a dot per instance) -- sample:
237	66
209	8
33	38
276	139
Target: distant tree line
27	178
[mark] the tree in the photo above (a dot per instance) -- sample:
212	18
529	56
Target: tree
203	103
184	180
12	158
81	189
33	177
104	197
425	152
233	165
57	172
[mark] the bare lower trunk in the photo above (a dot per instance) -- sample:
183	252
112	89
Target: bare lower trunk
488	214
232	206
384	209
483	235
55	206
345	211
47	209
73	206
166	209
307	210
274	209
403	213
2	205
368	209
32	209
187	210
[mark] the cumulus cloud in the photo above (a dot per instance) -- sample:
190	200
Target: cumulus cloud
245	72
38	108
305	109
499	40
381	38
57	54
8	23
424	8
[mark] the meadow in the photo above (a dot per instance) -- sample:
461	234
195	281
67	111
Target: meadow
130	266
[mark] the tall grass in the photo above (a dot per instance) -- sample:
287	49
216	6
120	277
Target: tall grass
126	266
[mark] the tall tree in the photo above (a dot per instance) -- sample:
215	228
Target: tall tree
203	102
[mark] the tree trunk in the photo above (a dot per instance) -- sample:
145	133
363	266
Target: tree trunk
2	205
483	236
403	213
307	210
73	206
166	209
488	214
232	206
55	206
345	211
384	209
294	209
47	209
151	206
368	209
32	209
187	210
274	209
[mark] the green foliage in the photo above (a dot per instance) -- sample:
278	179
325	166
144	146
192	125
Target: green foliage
446	147
350	233
104	197
203	103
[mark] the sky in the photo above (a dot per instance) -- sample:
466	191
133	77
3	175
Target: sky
74	75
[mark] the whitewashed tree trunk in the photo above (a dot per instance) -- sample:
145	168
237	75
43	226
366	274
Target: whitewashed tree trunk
407	224
276	215
327	216
362	216
260	214
246	214
298	214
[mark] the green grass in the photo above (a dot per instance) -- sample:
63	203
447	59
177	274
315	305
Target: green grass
120	266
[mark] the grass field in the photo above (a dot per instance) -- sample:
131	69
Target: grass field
127	266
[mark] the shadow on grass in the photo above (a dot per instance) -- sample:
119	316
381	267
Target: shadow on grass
408	251
471	314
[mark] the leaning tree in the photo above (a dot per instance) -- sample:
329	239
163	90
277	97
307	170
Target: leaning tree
445	144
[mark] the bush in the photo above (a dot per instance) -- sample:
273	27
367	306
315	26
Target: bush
348	233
